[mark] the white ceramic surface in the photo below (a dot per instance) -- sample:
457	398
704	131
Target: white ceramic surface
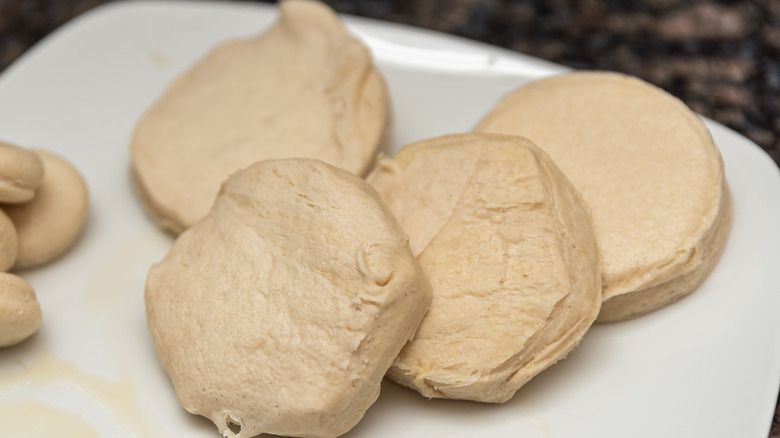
708	366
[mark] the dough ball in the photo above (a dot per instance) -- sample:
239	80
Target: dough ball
9	244
20	313
20	173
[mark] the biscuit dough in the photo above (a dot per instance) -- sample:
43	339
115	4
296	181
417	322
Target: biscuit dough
281	311
647	168
20	173
49	224
9	244
20	313
508	247
305	88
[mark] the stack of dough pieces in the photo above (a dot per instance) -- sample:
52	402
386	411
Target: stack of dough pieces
44	207
647	168
21	172
281	311
305	88
507	245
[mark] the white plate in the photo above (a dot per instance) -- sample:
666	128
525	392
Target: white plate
707	366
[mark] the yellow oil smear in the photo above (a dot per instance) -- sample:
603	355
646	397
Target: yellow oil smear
542	426
160	60
114	299
33	419
117	397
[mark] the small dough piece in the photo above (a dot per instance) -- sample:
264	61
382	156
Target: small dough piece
508	247
305	88
20	313
281	310
9	244
49	224
647	168
20	173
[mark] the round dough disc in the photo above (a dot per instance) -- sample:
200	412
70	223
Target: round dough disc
647	168
305	88
51	222
508	247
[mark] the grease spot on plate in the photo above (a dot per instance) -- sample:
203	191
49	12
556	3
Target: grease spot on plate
34	419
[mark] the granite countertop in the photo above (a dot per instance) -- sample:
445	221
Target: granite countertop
721	57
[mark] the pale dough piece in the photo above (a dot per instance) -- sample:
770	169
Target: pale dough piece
508	247
20	313
9	243
283	308
49	224
20	173
305	88
647	168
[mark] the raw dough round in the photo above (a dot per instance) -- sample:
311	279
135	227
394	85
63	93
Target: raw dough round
281	310
305	88
20	173
20	313
647	168
49	224
507	244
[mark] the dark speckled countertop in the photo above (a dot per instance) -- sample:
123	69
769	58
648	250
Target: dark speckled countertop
721	57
